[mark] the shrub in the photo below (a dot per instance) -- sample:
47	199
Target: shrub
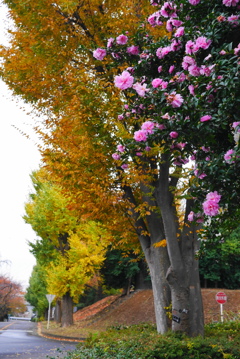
222	341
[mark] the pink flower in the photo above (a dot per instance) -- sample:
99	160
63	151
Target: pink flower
154	19
120	117
122	39
179	32
168	10
171	23
171	69
140	89
133	50
236	125
237	50
99	54
191	89
163	51
188	61
190	47
210	205
159	83
233	20
194	2
124	81
161	126
174	99
159	69
121	148
230	2
173	134
222	52
228	156
197	174
206	70
210	208
116	156
213	196
156	82
194	70
148	126
124	166
140	135
110	42
191	216
205	118
203	43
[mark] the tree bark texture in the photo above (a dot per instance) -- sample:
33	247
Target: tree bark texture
67	310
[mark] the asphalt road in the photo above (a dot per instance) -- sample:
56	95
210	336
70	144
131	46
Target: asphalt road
19	339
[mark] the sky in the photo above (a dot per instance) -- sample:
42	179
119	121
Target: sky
19	156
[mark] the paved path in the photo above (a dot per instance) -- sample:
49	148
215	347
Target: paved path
19	340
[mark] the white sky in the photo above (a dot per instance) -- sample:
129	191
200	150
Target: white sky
19	156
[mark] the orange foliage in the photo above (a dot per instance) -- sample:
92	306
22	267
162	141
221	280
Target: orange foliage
11	297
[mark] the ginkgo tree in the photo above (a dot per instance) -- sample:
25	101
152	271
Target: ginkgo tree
77	247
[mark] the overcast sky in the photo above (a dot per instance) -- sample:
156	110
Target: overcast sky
19	157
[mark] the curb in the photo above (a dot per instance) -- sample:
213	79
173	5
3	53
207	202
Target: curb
58	337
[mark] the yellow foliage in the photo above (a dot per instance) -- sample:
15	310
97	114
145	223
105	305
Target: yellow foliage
162	243
72	271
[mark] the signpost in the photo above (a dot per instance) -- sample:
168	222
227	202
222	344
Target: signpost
221	298
50	298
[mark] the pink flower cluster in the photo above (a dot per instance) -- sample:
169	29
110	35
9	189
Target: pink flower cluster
147	128
154	19
197	216
230	2
210	205
168	10
201	43
228	156
159	83
189	64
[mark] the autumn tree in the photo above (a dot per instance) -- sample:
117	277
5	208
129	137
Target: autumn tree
11	297
76	247
37	290
181	104
180	98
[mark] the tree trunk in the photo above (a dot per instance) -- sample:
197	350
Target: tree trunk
67	310
182	245
157	260
58	311
150	234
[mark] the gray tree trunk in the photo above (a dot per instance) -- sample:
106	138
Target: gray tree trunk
58	311
67	310
182	244
150	233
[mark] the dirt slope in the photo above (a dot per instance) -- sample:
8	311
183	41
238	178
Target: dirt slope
138	308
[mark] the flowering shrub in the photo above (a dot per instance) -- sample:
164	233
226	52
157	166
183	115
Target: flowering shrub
194	102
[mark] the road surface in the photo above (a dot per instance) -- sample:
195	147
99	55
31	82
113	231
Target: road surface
19	339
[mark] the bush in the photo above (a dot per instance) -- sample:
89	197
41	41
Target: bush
222	341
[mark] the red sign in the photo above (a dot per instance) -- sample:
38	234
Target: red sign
221	297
